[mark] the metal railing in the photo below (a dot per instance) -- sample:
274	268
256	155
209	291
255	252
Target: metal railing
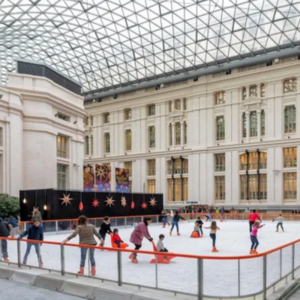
202	276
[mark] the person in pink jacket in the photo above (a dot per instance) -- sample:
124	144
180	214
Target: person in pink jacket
253	237
140	231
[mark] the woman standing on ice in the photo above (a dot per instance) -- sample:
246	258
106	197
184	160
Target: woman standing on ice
253	237
86	234
140	231
175	221
213	234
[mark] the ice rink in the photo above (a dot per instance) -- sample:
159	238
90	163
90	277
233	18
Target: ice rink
220	276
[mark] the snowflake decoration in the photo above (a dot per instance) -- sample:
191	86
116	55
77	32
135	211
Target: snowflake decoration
66	199
152	201
110	201
95	203
123	201
144	205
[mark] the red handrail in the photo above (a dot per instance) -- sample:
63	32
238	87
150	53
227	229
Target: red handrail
159	253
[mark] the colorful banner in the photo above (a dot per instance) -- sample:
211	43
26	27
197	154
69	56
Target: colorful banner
122	180
88	178
103	177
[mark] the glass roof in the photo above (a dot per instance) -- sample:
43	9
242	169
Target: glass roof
105	44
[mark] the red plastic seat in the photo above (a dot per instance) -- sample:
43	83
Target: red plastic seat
195	235
114	245
160	258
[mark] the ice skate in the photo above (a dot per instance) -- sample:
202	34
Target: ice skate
252	252
170	232
41	265
134	261
276	230
93	271
131	256
255	251
81	271
214	249
178	233
6	259
163	226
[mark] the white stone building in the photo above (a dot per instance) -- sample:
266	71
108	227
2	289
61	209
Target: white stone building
223	139
41	135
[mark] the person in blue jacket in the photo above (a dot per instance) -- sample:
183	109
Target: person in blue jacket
175	221
34	232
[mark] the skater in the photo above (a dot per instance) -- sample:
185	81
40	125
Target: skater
86	234
105	228
197	229
4	232
252	218
253	237
116	238
213	234
280	220
161	248
208	217
137	236
164	219
13	226
34	232
222	212
175	221
36	216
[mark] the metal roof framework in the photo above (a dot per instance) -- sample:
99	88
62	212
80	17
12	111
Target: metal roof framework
115	45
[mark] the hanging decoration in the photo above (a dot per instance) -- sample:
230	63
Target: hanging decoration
66	199
152	202
81	204
144	205
110	201
123	201
132	202
95	203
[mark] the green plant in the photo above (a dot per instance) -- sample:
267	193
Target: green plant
9	206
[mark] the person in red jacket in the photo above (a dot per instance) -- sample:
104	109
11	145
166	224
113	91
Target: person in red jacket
116	238
252	218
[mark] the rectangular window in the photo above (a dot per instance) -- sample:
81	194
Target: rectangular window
151	110
220	187
170	167
106	118
151	167
87	145
243	183
244	122
184	132
220	98
262	90
177	133
86	121
170	189
178	189
253	123
184	104
128	140
62	146
185	166
170	135
290	85
253	91
178	104
253	187
91	121
220	162
290	185
127	114
151	186
92	145
290	157
263	160
62	116
170	106
61	177
290	119
107	142
220	126
185	189
177	184
128	166
244	93
253	160
263	186
177	166
151	133
263	123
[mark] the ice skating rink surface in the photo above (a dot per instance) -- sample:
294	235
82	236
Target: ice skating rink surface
220	276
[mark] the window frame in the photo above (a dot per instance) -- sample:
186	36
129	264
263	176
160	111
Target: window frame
62	153
128	140
220	128
107	147
151	137
290	121
220	162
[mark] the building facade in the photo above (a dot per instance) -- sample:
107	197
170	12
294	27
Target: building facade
41	135
229	139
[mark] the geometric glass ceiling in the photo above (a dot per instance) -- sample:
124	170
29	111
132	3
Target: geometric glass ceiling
106	44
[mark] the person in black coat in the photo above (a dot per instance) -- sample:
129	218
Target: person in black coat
105	228
4	232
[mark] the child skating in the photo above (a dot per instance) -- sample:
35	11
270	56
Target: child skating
208	217
198	232
161	248
280	220
34	232
116	238
105	228
175	222
253	237
213	234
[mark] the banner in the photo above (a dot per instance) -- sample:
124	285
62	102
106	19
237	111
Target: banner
103	177
122	180
88	178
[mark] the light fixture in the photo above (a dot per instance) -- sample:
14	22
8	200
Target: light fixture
45	207
24	201
75	122
115	96
195	78
228	72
